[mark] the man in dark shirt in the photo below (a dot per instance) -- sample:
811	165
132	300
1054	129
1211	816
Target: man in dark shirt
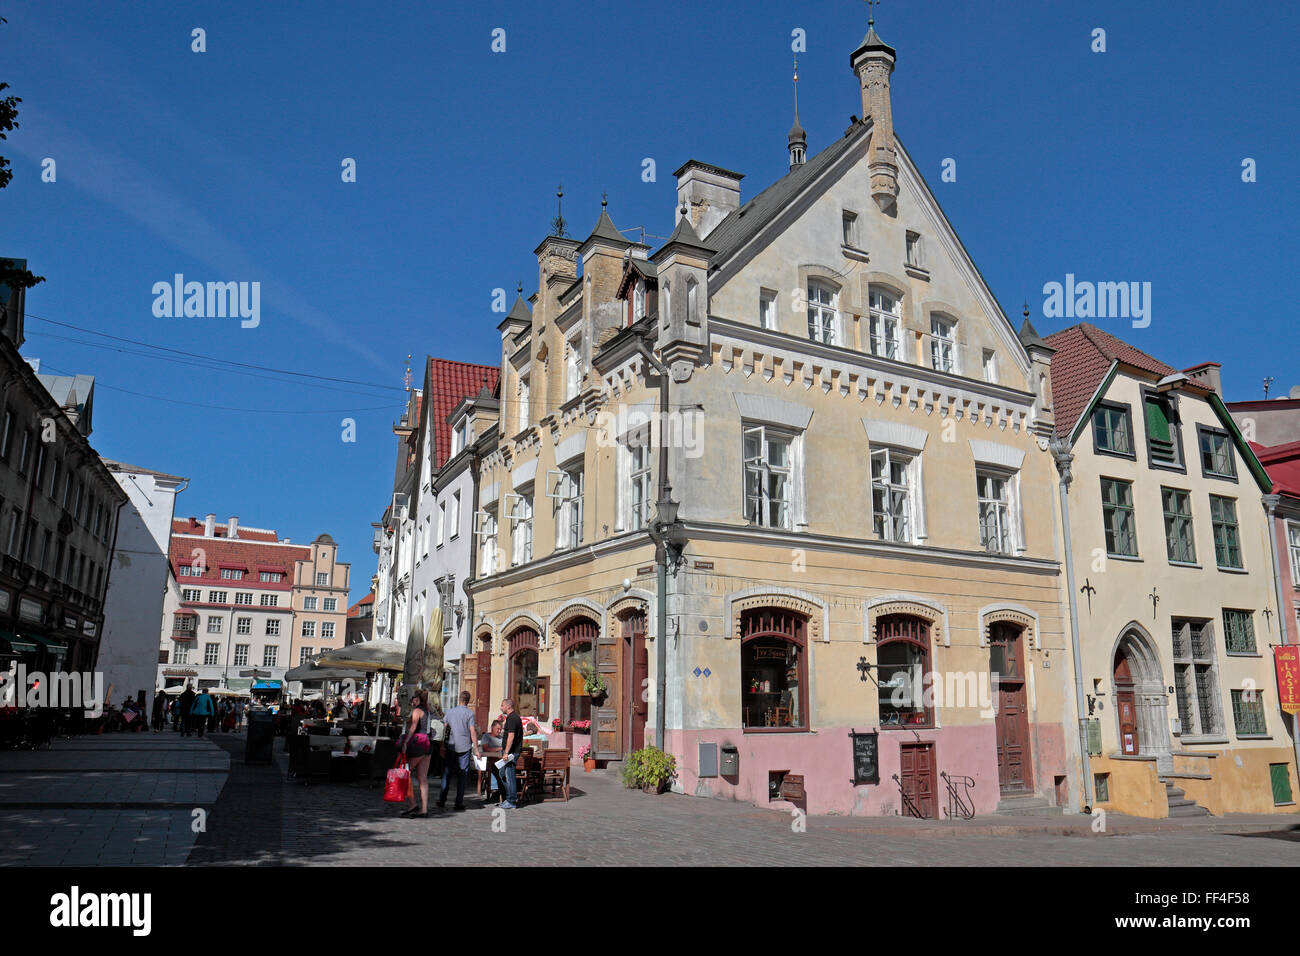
510	749
187	702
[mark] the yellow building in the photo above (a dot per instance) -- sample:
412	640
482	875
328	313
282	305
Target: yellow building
1174	586
866	540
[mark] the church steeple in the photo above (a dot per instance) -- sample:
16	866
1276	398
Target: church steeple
873	62
798	142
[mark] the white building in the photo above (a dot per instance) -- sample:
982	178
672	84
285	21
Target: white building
137	580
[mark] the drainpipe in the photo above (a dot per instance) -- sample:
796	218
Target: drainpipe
1270	508
1061	453
661	559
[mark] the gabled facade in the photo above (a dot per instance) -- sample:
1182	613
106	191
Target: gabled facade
1174	578
857	438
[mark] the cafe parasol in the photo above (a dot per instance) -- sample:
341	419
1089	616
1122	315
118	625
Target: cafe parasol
382	655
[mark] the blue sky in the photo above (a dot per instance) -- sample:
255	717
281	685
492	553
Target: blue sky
225	165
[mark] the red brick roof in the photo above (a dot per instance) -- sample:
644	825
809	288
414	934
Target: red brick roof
1084	353
195	526
451	383
1282	462
222	552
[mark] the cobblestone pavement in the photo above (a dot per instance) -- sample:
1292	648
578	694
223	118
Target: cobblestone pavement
263	818
110	800
120	799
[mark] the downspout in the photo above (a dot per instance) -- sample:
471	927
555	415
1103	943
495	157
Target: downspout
661	559
467	641
1270	508
1061	453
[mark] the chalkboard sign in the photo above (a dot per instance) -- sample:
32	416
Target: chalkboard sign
866	762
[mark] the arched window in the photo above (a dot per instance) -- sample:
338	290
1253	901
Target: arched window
522	683
577	646
903	660
821	312
773	684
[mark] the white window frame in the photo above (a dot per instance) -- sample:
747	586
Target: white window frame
485	530
273	627
884	325
990	363
638	300
309	603
270	655
243	625
823	312
943	344
327	630
757	508
521	527
565	488
214	624
1293	546
766	309
523	394
442	522
329	604
1004	509
914	249
322	579
885	524
241	655
637	479
849	228
453	517
571	369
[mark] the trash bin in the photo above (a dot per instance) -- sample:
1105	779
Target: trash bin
259	745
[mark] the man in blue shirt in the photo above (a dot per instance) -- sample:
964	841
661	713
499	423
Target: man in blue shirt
462	740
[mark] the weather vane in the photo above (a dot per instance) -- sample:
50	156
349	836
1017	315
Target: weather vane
871	12
557	224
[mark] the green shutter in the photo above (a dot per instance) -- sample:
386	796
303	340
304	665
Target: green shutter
1157	421
1281	781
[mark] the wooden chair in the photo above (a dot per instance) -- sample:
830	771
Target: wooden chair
555	771
528	777
780	716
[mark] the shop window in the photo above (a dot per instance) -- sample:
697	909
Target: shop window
902	660
577	641
772	670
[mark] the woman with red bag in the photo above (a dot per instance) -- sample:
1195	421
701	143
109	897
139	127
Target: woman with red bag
417	748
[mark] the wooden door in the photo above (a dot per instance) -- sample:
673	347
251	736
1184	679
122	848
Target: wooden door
916	774
636	662
1011	722
607	717
1126	707
483	707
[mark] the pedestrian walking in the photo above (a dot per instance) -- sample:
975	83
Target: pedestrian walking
159	712
511	747
201	711
462	742
186	702
417	747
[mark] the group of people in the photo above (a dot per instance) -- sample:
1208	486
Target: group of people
192	713
457	740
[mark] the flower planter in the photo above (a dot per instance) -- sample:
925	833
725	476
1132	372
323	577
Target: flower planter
588	766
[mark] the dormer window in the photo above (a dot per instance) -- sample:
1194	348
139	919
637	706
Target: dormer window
638	301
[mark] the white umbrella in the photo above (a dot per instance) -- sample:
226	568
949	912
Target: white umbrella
380	654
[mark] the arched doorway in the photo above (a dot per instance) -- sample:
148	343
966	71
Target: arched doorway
1141	702
1011	718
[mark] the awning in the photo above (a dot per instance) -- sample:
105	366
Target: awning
16	644
54	645
266	685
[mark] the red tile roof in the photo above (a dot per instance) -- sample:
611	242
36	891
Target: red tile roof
1282	462
1084	353
222	552
194	526
355	609
452	382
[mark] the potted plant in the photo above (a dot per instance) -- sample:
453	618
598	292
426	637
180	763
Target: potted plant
588	761
595	685
557	725
650	769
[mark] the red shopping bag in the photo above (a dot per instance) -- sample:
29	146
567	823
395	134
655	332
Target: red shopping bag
398	785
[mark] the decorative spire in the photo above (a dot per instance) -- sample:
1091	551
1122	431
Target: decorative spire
557	224
797	140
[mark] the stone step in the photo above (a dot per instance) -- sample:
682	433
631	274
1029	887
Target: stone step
1028	804
1180	805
